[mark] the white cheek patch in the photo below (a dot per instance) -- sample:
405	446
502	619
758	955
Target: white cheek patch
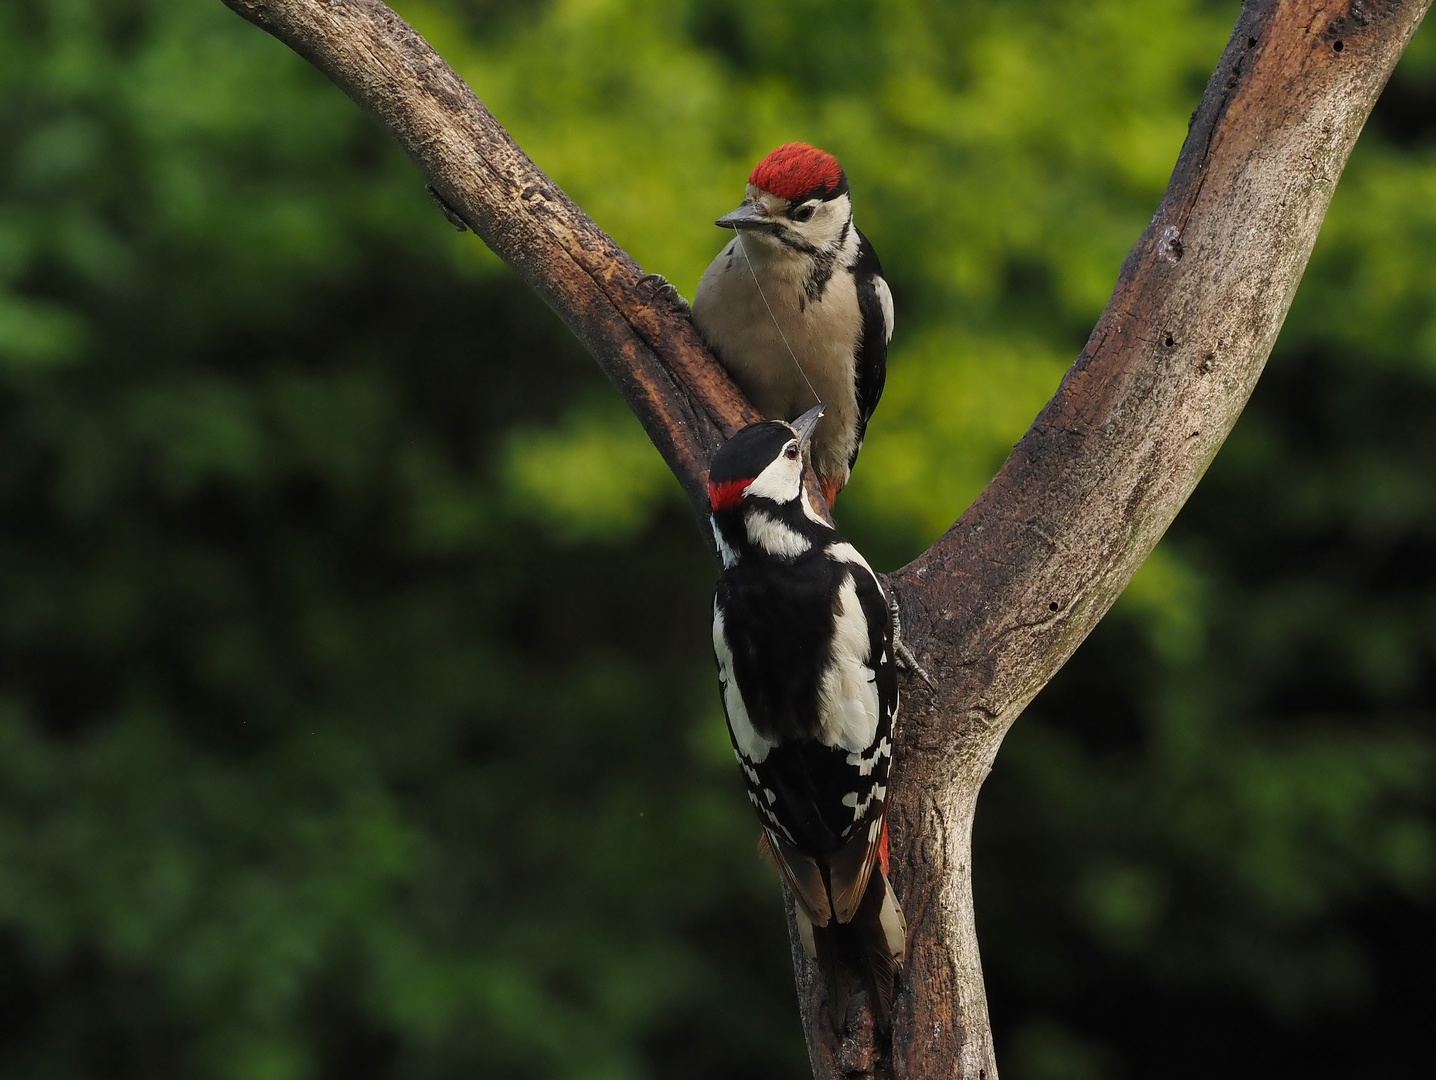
773	536
825	227
750	744
781	481
848	694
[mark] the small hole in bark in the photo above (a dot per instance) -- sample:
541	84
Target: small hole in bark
1251	43
1170	342
1052	606
1338	46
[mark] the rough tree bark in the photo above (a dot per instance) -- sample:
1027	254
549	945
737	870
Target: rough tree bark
996	606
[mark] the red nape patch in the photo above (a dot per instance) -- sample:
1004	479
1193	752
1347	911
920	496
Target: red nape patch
796	169
883	850
725	496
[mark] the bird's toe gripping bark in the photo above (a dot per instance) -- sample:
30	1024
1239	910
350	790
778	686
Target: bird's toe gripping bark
906	660
661	286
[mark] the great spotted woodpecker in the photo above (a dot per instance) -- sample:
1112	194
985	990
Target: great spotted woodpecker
806	665
795	306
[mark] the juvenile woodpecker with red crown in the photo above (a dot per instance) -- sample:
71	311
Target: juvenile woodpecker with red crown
796	308
804	642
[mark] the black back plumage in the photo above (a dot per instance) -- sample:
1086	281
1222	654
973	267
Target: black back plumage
872	351
779	618
802	633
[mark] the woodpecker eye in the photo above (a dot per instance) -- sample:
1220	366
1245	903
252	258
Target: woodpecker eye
804	212
791	451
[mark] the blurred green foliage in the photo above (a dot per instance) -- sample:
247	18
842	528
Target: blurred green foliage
356	717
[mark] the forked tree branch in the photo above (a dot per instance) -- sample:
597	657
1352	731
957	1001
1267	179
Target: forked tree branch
996	606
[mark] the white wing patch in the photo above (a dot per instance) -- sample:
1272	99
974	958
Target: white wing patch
780	481
845	552
772	535
848	694
885	301
750	744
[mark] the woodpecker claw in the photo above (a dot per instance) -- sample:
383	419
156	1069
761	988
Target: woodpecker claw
666	289
906	660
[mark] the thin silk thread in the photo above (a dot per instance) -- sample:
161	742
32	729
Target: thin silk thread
743	248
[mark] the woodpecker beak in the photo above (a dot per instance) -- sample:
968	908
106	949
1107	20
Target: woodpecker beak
747	216
806	424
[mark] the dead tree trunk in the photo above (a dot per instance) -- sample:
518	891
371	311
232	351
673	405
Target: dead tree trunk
996	606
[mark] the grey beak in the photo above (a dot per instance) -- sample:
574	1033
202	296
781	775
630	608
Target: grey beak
806	424
747	216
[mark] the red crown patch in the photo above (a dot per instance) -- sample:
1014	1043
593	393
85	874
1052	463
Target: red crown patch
795	170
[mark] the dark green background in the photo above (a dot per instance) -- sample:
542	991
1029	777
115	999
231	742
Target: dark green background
356	714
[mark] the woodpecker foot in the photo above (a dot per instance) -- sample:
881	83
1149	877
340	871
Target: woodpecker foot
450	214
661	286
906	660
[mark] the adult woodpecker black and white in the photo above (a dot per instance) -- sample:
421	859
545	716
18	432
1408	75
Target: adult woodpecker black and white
804	642
795	306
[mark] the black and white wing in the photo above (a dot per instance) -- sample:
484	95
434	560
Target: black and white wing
860	703
821	798
875	302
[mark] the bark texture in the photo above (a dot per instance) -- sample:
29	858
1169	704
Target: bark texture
996	606
686	403
1002	600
